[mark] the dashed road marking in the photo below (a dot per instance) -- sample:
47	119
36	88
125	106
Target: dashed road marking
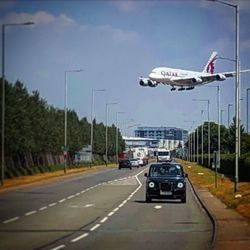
158	207
31	212
95	227
104	219
11	220
43	208
80	237
59	247
52	204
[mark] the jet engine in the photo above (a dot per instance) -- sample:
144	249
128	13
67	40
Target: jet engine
144	82
196	80
152	84
220	77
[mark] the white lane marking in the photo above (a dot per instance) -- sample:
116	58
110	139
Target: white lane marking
43	208
110	214
70	197
11	220
62	200
89	205
104	219
77	194
95	227
158	207
30	213
59	247
52	204
116	209
80	237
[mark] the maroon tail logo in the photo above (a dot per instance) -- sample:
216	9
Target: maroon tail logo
210	66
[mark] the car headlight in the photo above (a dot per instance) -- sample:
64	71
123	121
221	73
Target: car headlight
151	184
180	185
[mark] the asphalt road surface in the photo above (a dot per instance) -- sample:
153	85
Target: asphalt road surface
102	210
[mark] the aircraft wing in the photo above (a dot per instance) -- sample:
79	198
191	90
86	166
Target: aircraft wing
202	79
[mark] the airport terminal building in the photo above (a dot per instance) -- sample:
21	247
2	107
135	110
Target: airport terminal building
169	133
168	137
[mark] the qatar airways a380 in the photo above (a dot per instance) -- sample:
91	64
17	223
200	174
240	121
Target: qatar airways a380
186	79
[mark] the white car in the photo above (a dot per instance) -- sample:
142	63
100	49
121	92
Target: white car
134	163
140	161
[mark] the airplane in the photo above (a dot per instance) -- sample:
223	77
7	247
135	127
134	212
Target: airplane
186	79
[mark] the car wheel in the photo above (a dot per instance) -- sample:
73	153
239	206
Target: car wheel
183	199
148	199
130	168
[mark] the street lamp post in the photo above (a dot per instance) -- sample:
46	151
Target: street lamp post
197	150
117	141
228	116
65	116
247	108
3	94
92	125
202	138
208	108
237	87
106	116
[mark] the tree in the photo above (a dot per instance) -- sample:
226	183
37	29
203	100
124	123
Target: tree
231	136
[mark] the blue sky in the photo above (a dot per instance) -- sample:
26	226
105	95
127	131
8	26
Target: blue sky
116	42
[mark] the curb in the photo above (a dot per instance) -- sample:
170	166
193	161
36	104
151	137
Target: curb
210	215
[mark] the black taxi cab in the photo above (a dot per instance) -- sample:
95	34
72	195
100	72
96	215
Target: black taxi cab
166	181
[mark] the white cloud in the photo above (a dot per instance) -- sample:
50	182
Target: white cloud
39	18
125	5
119	35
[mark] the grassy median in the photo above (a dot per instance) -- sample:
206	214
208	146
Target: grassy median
203	177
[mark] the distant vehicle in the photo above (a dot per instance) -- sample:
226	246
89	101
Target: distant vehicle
163	155
140	161
166	181
124	164
186	78
134	163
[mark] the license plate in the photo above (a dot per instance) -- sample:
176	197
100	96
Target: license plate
165	193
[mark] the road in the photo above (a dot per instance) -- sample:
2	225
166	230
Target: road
101	210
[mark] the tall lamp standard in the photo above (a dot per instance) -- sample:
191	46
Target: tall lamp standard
237	86
106	116
117	141
247	108
192	155
202	111
92	125
65	116
208	108
3	94
228	114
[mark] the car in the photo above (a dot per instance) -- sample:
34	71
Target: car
125	163
134	163
140	161
166	181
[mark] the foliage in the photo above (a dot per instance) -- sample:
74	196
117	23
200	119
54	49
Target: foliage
34	128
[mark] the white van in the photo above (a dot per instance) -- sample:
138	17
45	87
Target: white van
163	155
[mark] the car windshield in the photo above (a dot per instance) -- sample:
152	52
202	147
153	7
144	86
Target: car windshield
165	153
165	170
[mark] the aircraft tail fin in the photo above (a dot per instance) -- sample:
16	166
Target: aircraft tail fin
209	68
